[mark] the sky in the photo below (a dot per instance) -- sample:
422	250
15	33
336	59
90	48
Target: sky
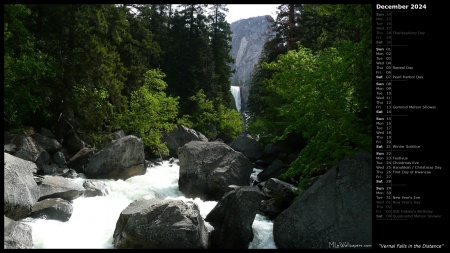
243	11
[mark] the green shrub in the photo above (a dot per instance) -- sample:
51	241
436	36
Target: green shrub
313	95
151	112
229	123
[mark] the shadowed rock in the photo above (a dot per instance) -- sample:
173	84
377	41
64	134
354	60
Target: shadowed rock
48	144
336	208
81	159
28	149
247	146
279	196
160	224
273	171
60	159
232	218
208	168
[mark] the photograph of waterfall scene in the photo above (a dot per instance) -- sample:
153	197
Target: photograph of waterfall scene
163	126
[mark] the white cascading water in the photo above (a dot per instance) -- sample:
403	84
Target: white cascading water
94	219
236	91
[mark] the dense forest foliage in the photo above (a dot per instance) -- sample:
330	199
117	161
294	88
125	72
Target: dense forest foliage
312	88
144	68
104	67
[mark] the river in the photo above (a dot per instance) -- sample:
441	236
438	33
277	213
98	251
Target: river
94	219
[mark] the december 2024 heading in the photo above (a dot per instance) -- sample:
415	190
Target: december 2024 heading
401	6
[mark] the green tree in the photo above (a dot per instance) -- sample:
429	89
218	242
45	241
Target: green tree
320	103
322	93
25	67
141	50
188	62
288	24
220	33
152	112
82	41
228	121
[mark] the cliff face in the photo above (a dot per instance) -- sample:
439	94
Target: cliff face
248	38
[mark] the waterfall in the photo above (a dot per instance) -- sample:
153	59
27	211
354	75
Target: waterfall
236	91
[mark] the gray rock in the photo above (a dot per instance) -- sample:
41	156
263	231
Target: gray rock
51	169
94	188
279	196
60	159
28	149
120	159
52	209
275	188
47	133
20	190
60	187
232	218
81	159
9	148
160	224
69	173
273	171
336	208
48	144
247	146
179	136
208	168
17	235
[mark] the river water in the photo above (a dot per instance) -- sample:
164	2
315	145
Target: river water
94	219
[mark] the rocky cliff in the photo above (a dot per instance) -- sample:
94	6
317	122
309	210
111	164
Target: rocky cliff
248	38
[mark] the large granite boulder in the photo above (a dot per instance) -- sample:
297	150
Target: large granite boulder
273	171
21	192
48	144
52	209
247	146
121	159
279	196
160	224
208	168
232	218
27	148
180	136
17	235
336	208
60	187
81	159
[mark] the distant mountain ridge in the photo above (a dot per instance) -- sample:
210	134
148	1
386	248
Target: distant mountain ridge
248	38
